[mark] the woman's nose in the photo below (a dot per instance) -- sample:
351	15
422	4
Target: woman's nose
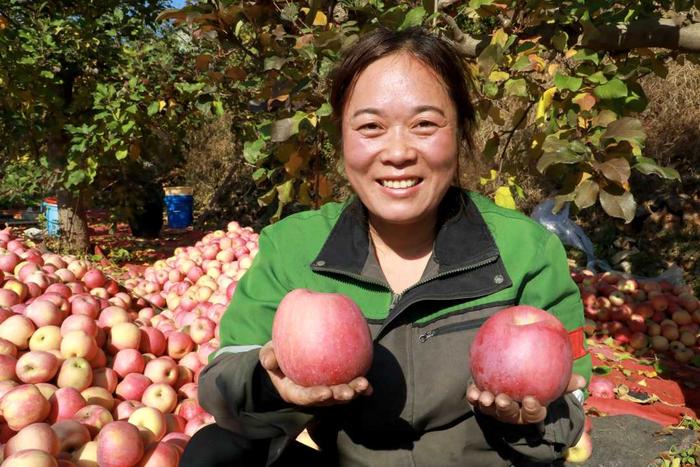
398	149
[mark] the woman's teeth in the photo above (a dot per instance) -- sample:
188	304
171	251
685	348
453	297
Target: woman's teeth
400	183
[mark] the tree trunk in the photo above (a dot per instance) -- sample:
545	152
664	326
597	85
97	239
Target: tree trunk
71	208
73	221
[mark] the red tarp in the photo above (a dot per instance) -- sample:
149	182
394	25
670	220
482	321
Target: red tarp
663	397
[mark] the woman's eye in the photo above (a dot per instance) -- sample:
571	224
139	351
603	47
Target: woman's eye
426	124
369	126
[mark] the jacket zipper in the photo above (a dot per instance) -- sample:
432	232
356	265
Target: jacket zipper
454	327
391	318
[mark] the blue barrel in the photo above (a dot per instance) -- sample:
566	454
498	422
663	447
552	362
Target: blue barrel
50	209
178	201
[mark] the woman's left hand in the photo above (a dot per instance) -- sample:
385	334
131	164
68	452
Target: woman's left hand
505	409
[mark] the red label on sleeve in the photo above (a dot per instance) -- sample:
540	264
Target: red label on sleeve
576	337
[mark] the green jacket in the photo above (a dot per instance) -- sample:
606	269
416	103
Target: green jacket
485	258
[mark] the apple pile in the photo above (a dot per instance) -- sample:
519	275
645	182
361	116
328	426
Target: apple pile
641	315
93	374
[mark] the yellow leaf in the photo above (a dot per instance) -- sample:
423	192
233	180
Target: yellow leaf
504	197
552	69
498	76
312	119
499	37
570	53
582	122
642	383
585	176
321	19
545	102
161	105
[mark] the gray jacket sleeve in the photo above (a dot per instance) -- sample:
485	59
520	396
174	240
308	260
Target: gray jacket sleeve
236	390
538	443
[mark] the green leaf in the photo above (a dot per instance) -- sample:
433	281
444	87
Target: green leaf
218	108
274	63
621	206
560	40
604	118
259	175
489	58
413	18
253	151
516	87
625	129
121	154
597	78
613	89
617	170
587	56
285	192
75	178
557	151
476	4
648	166
586	194
491	89
153	108
602	370
325	110
571	83
268	198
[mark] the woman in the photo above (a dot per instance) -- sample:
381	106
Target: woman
425	261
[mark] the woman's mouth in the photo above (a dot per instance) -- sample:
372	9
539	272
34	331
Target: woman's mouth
400	184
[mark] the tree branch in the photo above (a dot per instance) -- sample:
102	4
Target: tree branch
464	44
663	33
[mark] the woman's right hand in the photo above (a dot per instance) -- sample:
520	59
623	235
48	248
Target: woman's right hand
314	396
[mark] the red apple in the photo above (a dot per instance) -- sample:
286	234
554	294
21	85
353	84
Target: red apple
94	417
321	339
128	361
36	366
35	436
132	386
30	457
160	455
71	435
24	405
119	445
65	402
502	355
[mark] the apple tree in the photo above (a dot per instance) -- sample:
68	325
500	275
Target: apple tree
93	91
558	80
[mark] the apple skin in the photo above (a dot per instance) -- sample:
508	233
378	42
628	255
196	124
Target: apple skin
35	436
124	409
76	373
150	422
105	378
17	329
8	368
581	452
71	435
502	355
65	402
119	445
132	386
46	338
86	455
128	361
162	370
24	405
160	455
160	396
321	339
94	417
30	457
36	366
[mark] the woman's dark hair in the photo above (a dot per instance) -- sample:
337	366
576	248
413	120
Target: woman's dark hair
431	50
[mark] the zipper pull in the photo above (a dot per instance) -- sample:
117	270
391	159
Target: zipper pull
425	336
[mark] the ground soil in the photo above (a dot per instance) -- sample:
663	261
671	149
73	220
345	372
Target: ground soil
629	441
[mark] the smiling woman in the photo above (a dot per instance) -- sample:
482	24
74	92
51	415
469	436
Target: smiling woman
425	261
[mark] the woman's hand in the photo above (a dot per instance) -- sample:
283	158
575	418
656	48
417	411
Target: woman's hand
505	409
314	396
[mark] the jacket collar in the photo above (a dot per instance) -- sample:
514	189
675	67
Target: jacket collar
463	238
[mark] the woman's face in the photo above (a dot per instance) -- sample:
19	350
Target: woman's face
400	140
